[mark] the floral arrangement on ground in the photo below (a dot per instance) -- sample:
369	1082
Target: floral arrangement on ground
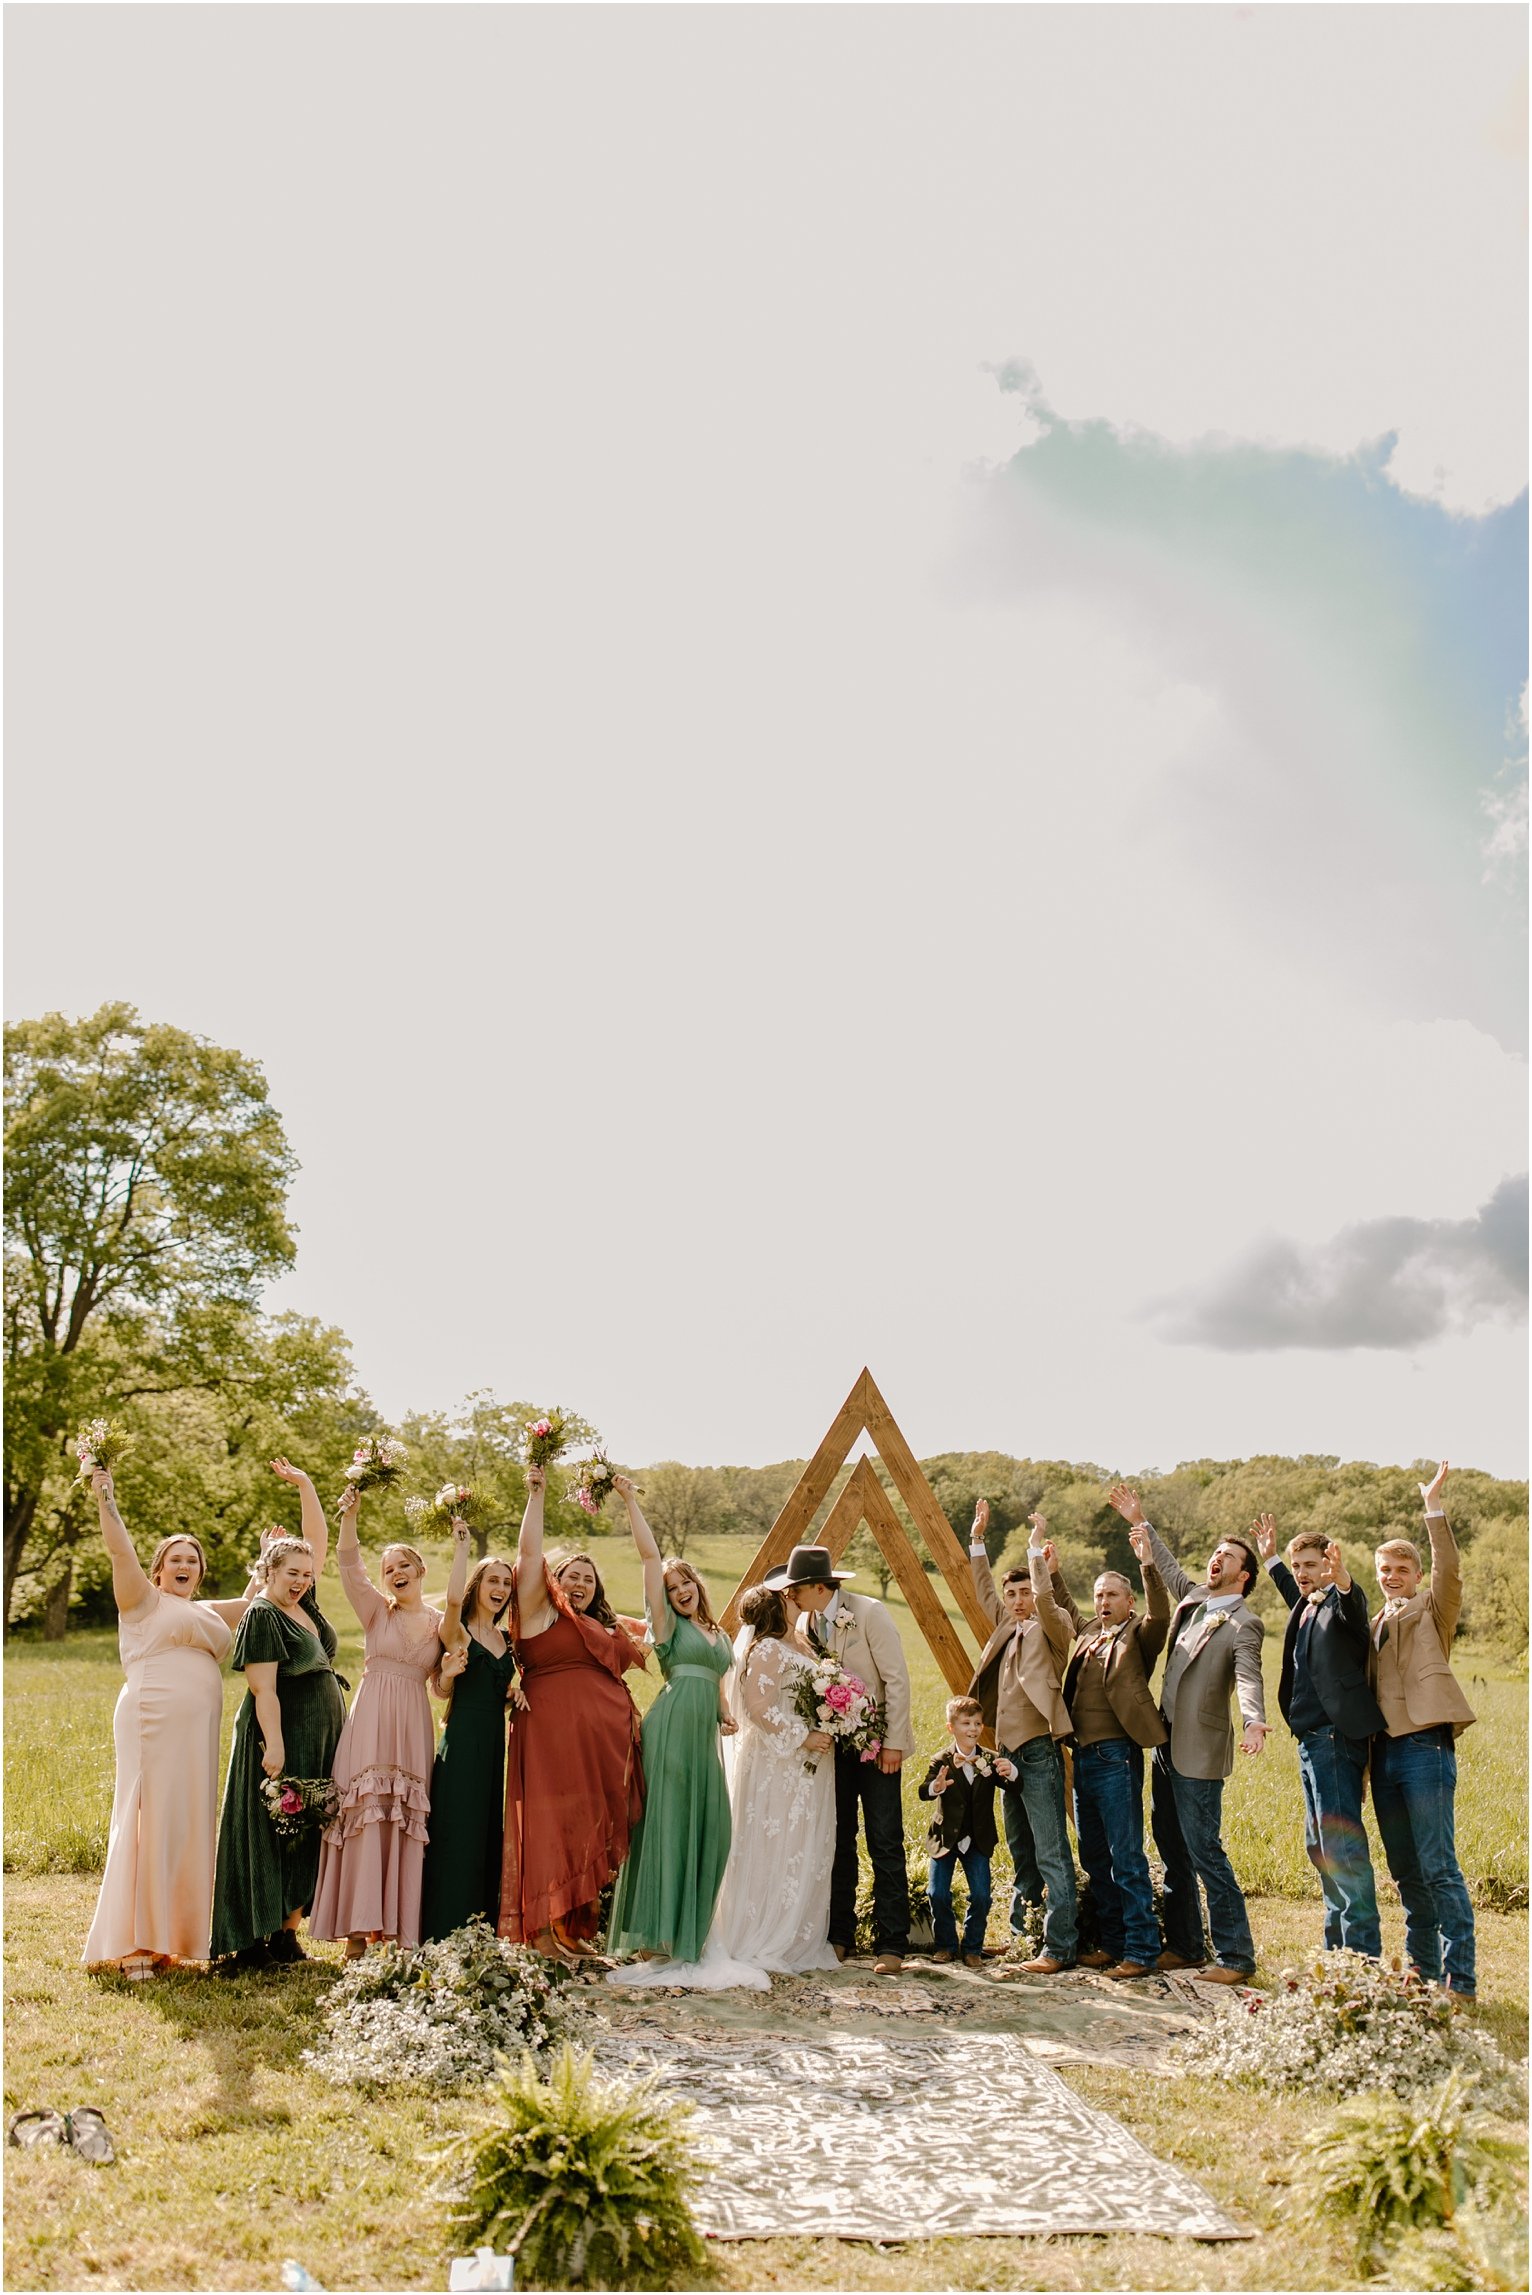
441	2015
1350	2024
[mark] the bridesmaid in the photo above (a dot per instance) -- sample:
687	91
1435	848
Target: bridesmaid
476	1677
665	1898
573	1789
156	1903
373	1850
290	1721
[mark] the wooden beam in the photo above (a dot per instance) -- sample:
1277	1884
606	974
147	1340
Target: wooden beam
845	1516
921	1500
927	1612
806	1496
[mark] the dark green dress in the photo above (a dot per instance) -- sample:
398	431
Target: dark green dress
467	1822
259	1879
669	1885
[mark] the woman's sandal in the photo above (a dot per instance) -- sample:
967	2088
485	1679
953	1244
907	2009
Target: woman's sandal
87	2133
36	2130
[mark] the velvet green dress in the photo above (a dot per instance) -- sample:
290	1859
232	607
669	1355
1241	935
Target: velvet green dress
461	1881
668	1887
260	1879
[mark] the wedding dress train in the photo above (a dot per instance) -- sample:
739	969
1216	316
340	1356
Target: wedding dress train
773	1912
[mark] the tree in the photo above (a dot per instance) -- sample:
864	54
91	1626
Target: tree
479	1444
146	1201
681	1504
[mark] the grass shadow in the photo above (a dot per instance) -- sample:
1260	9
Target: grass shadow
258	2021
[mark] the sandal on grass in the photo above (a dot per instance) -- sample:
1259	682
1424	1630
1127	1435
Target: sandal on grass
87	2133
35	2130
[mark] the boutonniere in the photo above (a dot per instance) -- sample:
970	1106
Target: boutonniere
841	1620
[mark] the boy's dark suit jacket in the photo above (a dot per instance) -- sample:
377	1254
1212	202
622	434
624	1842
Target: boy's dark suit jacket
1339	1647
964	1812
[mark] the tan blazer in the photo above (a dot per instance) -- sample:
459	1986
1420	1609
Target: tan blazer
1410	1676
1220	1658
1019	1673
1129	1665
865	1639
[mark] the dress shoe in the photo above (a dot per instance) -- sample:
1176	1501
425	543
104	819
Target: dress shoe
973	1960
1173	1960
1043	1965
888	1964
1127	1968
283	1945
839	1951
941	1956
1214	1974
1095	1960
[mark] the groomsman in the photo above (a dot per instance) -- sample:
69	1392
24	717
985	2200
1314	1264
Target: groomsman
1106	1688
1017	1686
1414	1766
1214	1653
858	1631
1328	1706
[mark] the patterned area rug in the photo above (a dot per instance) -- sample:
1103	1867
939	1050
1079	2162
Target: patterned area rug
862	2136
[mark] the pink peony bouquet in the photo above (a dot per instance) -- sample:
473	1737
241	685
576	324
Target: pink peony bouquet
376	1463
544	1439
298	1805
827	1697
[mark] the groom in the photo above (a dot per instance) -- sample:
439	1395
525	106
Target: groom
860	1634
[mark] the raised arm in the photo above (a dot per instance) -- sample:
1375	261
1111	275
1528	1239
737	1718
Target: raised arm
649	1555
1055	1622
1125	1502
359	1589
131	1590
233	1610
453	1635
978	1562
316	1528
1446	1563
531	1592
1152	1628
1263	1536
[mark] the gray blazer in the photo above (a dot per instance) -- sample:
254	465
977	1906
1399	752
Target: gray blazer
1223	1654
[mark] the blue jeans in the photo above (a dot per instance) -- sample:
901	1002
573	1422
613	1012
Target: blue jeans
1185	1814
939	1890
1334	1768
1039	1786
1027	1888
1109	1822
1413	1782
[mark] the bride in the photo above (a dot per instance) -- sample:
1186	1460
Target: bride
773	1913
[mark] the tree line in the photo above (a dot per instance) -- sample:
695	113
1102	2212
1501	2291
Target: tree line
147	1178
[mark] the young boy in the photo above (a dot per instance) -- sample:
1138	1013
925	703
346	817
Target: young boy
961	1782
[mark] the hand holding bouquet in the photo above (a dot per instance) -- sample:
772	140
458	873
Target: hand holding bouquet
101	1443
454	1502
595	1480
298	1805
376	1463
827	1697
544	1439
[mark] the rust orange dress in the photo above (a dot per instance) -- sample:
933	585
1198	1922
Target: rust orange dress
574	1787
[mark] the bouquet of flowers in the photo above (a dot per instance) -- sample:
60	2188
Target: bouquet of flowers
433	1517
544	1439
100	1442
594	1478
827	1697
376	1463
298	1805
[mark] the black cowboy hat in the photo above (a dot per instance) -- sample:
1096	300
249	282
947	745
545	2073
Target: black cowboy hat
805	1566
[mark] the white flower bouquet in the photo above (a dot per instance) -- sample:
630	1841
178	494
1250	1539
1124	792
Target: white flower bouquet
455	1501
827	1697
595	1479
376	1463
103	1443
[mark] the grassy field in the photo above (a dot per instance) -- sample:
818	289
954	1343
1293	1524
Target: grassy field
235	2156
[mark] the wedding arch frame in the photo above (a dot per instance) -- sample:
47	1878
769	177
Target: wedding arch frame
864	1499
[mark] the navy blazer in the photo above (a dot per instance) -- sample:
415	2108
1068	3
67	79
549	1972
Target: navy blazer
1338	1651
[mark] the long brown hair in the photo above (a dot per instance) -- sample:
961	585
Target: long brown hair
599	1607
181	1538
471	1590
704	1610
765	1609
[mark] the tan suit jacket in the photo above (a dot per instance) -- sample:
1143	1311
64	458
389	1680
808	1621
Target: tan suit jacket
1219	1658
1129	1664
865	1639
1022	1666
1410	1676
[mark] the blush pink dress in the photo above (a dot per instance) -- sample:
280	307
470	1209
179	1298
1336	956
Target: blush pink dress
157	1889
373	1851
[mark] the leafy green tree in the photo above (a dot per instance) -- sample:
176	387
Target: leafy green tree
479	1443
682	1503
146	1202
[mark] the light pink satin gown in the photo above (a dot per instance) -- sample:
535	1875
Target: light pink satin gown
157	1890
372	1855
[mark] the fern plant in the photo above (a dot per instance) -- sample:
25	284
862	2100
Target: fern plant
585	2184
1388	2165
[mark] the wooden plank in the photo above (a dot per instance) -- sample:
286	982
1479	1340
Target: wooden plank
845	1516
940	1634
805	1498
925	1509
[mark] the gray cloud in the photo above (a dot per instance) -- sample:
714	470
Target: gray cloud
1379	1283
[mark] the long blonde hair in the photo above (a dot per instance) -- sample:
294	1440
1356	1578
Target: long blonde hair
278	1551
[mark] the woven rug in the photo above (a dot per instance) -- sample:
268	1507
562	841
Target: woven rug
859	2136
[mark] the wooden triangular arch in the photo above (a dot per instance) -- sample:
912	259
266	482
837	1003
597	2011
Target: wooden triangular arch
865	1500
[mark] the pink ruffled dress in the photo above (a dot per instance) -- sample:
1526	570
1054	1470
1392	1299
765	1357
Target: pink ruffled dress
373	1852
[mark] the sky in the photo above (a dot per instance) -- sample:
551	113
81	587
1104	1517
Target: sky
825	686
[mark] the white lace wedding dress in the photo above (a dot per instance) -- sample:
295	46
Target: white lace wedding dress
773	1912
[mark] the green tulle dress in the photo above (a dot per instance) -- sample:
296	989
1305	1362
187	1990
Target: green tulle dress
260	1879
668	1887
